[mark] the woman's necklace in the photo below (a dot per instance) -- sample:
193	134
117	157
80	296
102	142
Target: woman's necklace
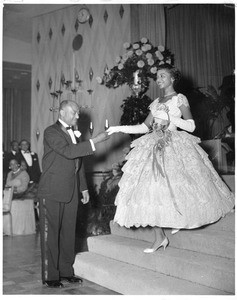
16	173
165	98
169	94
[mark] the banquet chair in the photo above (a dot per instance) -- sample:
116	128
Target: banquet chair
6	209
23	216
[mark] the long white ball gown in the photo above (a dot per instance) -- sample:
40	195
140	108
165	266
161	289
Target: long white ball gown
175	187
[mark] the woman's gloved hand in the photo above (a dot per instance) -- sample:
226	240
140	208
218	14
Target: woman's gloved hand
131	129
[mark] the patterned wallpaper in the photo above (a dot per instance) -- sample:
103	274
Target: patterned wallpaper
55	62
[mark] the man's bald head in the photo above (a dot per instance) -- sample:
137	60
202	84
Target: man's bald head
69	112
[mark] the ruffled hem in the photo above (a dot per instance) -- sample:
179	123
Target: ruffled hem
144	225
177	188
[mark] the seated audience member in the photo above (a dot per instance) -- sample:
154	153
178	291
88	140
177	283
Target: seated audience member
31	160
17	178
8	156
22	210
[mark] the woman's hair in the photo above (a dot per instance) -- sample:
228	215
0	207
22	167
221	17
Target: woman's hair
174	72
14	159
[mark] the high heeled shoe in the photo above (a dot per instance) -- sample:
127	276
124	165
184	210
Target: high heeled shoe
173	231
164	244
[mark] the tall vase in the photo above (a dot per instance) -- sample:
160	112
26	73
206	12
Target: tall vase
140	84
136	89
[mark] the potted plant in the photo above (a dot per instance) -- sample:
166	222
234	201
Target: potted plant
208	105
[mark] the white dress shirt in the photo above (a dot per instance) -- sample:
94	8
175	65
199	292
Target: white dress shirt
71	133
27	157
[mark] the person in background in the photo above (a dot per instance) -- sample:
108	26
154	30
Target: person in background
8	156
62	176
17	178
31	160
168	180
23	219
14	149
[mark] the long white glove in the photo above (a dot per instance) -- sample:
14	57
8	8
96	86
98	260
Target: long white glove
131	129
187	125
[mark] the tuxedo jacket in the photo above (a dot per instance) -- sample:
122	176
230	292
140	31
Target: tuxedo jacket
60	162
34	170
8	156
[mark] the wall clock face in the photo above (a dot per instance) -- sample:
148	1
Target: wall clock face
83	15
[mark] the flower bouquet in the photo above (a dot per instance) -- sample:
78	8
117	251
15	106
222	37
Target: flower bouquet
136	66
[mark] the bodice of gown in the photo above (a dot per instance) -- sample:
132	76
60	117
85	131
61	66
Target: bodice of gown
173	105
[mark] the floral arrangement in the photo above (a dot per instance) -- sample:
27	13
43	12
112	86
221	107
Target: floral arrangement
136	65
135	110
135	68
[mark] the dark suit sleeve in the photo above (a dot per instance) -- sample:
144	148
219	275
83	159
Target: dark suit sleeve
58	142
82	178
20	157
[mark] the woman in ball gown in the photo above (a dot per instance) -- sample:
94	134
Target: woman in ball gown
168	180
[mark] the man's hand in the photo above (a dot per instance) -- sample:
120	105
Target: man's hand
86	197
102	136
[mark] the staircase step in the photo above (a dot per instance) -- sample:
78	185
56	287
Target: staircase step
217	243
212	271
225	224
133	280
204	240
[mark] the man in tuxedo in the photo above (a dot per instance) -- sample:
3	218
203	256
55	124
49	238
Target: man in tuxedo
62	176
14	150
31	160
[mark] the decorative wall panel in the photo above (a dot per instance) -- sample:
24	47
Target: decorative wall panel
54	59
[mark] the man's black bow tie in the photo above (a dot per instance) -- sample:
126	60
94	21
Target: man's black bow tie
27	151
68	127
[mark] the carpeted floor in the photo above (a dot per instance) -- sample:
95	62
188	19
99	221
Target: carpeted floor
22	270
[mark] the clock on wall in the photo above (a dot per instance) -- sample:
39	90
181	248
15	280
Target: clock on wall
83	15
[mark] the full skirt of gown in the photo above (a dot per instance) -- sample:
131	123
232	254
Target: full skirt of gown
179	188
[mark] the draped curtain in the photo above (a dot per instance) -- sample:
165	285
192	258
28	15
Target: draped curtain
148	20
16	115
202	38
